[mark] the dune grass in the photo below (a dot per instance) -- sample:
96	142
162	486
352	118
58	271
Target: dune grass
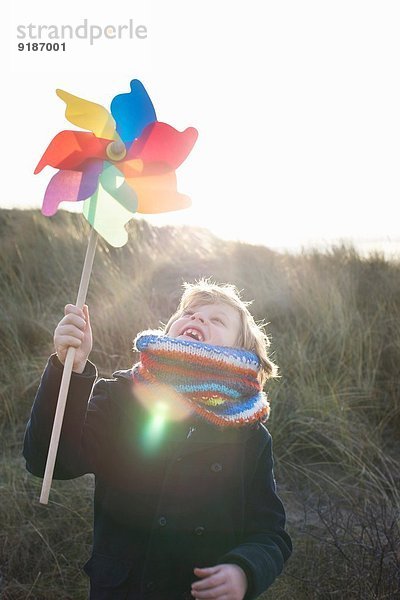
334	320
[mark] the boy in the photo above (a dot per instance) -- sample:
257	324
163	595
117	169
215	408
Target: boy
188	510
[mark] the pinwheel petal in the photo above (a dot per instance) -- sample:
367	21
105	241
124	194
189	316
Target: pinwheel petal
131	168
108	217
88	115
69	150
161	143
71	186
158	193
132	112
113	182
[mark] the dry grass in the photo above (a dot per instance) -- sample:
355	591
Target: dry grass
335	327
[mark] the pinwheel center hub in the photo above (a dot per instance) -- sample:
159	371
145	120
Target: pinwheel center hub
116	150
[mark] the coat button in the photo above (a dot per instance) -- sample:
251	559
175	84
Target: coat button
162	521
216	467
150	586
199	530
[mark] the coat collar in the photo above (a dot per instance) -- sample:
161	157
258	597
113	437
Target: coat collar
195	434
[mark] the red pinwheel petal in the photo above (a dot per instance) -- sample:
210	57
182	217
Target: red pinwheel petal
158	193
71	186
161	143
69	150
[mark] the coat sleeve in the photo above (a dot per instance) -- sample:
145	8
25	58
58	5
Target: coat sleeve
84	433
265	545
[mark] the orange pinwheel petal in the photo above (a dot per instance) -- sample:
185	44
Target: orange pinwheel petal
158	193
131	168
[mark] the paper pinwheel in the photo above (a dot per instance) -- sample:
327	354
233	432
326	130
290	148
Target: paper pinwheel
124	163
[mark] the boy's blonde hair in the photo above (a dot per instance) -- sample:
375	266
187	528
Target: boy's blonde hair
252	335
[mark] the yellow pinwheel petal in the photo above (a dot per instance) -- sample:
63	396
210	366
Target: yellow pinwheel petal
89	115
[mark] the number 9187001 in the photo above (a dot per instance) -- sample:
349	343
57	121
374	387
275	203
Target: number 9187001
41	47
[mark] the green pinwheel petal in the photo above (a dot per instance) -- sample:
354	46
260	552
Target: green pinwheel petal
111	207
113	181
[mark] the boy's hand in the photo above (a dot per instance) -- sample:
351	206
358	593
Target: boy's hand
74	330
224	582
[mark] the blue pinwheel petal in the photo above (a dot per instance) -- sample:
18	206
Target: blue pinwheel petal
133	112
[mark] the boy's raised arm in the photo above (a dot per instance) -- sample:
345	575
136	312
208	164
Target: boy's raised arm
73	330
39	427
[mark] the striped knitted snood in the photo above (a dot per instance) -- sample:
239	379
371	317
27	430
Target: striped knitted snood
219	383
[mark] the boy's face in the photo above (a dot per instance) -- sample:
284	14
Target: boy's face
218	324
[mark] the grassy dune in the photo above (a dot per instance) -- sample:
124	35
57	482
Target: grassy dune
334	319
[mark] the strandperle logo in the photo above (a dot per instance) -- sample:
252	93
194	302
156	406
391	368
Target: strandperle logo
84	31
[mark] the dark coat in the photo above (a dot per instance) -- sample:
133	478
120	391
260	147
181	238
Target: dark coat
204	496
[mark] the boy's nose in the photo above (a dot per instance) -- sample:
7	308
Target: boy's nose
198	316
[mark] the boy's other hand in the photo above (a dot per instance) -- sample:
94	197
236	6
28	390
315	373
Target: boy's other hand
74	330
227	582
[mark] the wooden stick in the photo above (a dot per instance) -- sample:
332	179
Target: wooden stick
66	376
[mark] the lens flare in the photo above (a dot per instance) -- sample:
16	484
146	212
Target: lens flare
154	430
164	406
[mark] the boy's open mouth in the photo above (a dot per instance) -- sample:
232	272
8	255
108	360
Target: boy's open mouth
194	333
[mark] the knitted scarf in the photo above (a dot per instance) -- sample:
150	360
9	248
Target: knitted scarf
218	382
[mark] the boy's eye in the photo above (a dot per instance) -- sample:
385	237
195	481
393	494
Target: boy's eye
218	320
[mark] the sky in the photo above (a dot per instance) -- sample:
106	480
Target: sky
297	105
